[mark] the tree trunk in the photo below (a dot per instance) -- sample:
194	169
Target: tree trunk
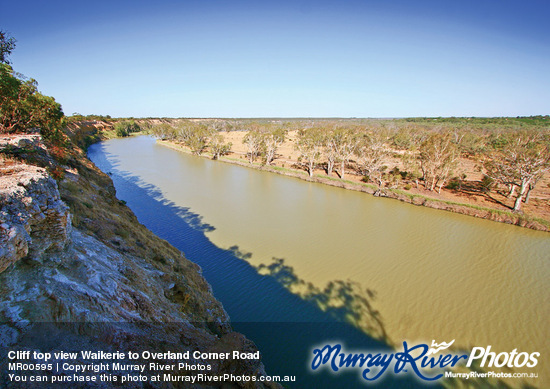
330	166
269	156
531	187
441	184
517	204
431	186
343	165
511	191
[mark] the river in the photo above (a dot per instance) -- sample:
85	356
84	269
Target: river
280	250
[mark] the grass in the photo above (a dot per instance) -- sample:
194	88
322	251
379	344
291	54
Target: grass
289	170
123	233
337	179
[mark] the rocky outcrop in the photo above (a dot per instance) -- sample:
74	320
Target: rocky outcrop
21	141
73	288
33	219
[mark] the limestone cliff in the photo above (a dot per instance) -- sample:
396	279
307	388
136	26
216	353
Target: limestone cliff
34	219
78	271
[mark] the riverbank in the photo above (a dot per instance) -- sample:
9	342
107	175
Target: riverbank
498	215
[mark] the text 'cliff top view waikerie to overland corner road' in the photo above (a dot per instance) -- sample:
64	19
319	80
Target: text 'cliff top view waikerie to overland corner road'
299	194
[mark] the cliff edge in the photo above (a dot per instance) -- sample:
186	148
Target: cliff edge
79	272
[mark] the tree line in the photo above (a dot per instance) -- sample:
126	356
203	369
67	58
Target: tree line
197	135
514	159
513	155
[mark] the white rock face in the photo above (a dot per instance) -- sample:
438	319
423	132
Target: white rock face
33	219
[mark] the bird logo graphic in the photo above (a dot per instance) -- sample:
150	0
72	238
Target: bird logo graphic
435	348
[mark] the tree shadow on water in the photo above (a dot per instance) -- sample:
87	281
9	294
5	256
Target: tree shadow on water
240	254
192	219
344	300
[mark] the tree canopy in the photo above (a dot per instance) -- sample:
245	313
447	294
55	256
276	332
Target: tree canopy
7	44
520	163
22	107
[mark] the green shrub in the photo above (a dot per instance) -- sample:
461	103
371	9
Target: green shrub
126	128
453	185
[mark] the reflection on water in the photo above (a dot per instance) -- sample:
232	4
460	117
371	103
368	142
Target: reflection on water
397	271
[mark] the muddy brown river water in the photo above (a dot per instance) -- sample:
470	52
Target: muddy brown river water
430	274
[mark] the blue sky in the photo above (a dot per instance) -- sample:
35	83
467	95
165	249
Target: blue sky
287	58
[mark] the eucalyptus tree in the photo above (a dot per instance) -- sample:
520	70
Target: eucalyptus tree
309	144
411	164
125	128
438	157
184	130
272	140
163	131
329	149
532	186
372	152
218	147
198	140
254	141
520	163
345	143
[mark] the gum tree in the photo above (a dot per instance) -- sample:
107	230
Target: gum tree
438	157
330	150
218	147
520	163
272	140
309	145
371	153
345	143
254	142
198	139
